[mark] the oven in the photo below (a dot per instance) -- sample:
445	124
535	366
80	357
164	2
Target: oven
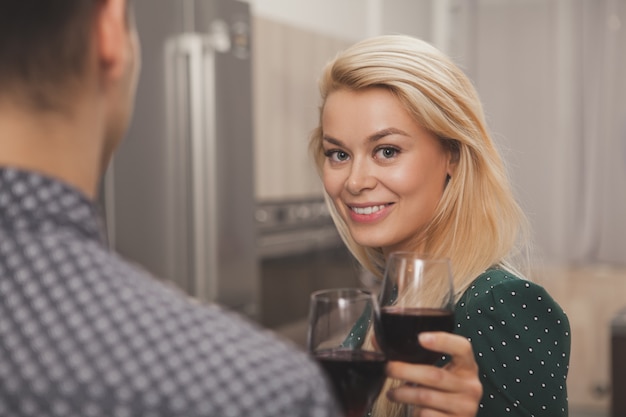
300	252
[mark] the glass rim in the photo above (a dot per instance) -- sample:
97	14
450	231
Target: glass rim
418	256
330	295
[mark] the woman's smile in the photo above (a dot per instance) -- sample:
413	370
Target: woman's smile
369	213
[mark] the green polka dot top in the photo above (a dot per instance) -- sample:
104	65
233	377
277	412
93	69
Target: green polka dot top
521	340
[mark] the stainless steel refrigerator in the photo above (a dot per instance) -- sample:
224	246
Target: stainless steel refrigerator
179	195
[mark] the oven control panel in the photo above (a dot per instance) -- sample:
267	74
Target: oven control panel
291	227
273	216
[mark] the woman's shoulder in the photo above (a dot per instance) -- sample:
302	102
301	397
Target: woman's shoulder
502	295
496	277
500	282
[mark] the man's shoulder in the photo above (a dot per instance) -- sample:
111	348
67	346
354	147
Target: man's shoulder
109	323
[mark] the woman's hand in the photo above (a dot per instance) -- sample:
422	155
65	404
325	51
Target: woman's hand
454	390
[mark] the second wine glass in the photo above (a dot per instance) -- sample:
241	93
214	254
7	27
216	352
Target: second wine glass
339	326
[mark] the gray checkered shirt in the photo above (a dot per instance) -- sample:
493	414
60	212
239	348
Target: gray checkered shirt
85	333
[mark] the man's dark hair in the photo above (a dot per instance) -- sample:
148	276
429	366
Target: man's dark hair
43	46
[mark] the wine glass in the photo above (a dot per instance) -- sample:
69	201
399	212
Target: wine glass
339	339
417	295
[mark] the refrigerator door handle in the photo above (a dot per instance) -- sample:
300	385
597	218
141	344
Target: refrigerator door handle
190	98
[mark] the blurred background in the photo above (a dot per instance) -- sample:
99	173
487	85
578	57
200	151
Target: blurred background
551	75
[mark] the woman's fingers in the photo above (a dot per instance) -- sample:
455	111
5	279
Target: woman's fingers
452	390
425	375
458	347
434	402
441	380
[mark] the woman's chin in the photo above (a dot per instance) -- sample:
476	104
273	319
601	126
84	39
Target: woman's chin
370	241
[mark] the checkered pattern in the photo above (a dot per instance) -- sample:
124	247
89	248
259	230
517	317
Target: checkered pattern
85	333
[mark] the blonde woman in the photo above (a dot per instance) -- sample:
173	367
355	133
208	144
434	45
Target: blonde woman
407	163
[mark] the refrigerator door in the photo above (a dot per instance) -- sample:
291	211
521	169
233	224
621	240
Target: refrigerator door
179	195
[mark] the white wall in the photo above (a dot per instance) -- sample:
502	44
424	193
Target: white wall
514	72
553	91
344	19
351	20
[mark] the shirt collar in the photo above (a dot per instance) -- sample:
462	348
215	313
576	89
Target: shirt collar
31	202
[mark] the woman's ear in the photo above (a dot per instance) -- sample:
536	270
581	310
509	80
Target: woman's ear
453	159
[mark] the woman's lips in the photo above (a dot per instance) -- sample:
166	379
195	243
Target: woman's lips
368	213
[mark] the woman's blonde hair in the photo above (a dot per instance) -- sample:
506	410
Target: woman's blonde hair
477	223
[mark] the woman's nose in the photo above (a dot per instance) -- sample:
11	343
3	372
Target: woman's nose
361	178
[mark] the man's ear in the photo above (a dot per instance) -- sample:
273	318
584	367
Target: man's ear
112	34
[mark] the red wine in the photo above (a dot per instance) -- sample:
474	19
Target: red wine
356	377
400	327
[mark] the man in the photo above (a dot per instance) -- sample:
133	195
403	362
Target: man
82	332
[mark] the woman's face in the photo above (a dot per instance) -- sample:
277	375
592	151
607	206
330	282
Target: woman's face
383	171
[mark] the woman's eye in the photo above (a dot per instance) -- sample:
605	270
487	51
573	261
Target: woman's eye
337	156
386	153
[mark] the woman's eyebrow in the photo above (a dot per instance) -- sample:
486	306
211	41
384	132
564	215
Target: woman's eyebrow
371	138
332	140
386	132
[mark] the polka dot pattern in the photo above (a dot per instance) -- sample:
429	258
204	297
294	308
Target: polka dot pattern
84	333
521	339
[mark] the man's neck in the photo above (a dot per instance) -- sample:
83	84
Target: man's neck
66	145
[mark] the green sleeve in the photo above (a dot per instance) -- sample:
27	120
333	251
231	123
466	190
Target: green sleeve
521	340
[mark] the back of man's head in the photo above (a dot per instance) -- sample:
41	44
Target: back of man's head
43	48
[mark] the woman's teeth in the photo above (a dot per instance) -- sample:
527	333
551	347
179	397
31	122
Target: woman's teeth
367	210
